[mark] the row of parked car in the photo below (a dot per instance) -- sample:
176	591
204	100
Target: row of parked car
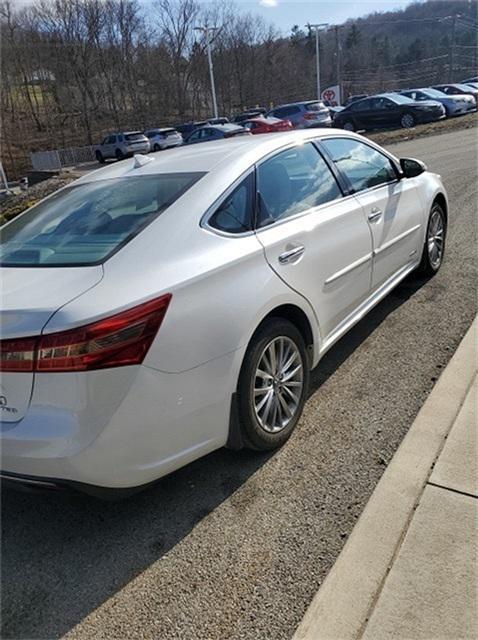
404	108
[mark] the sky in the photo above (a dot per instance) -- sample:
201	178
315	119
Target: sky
285	13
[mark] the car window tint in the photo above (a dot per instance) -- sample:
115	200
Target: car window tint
359	105
86	223
362	165
235	213
294	181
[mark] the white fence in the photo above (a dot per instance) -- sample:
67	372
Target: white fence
59	158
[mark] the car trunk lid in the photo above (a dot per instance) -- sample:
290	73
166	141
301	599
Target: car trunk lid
29	297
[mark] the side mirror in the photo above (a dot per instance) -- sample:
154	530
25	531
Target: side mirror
411	167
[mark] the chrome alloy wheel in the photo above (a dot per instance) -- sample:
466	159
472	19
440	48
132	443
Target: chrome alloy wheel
278	384
435	239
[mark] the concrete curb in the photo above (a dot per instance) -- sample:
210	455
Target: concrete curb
342	606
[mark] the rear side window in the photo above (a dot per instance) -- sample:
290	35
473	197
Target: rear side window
284	112
363	166
87	223
294	181
235	213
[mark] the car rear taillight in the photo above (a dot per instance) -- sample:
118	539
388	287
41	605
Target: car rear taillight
117	341
18	355
310	116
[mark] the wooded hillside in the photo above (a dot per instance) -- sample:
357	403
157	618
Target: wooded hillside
72	70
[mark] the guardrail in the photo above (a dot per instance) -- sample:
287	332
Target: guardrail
60	158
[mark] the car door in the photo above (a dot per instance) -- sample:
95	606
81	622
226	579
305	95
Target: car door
110	147
317	241
360	112
383	113
392	206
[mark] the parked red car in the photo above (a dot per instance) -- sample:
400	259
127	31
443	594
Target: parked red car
262	124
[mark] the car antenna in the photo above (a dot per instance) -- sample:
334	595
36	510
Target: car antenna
140	160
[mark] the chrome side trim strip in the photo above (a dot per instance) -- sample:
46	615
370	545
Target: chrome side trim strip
390	243
349	268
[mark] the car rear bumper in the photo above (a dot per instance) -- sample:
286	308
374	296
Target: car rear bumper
118	428
431	116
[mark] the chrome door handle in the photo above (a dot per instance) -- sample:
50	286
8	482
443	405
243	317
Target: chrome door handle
291	255
375	214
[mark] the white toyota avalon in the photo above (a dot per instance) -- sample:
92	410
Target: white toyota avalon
166	306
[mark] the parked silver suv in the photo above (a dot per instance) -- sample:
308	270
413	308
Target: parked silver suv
312	113
122	145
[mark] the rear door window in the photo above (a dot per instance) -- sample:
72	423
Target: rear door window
85	224
235	213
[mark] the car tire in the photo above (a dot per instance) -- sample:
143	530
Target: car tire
119	154
407	120
434	246
99	157
348	125
156	147
270	404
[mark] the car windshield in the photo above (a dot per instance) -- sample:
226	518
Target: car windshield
463	87
86	223
399	99
432	93
134	137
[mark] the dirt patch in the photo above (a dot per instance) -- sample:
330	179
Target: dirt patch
432	128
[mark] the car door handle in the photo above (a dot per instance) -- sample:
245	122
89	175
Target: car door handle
375	214
291	255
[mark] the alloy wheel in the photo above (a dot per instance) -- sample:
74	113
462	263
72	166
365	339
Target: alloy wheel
407	121
435	239
278	384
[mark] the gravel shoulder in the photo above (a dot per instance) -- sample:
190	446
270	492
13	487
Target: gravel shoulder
235	545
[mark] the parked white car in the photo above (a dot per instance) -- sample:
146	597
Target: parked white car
166	306
164	138
122	145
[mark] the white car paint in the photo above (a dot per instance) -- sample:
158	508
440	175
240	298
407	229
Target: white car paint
125	427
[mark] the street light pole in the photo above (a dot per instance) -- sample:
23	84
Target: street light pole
317	27
207	30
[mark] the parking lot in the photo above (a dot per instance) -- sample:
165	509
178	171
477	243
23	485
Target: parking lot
236	544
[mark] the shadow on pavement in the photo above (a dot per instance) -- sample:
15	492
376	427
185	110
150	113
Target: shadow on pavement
62	556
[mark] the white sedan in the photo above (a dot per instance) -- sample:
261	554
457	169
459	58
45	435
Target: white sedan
165	306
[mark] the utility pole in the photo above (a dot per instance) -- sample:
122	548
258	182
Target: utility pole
317	28
206	31
338	61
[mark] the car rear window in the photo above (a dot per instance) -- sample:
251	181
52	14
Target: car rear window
314	106
85	224
134	137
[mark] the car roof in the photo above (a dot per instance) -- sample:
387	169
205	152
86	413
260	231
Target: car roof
296	104
228	155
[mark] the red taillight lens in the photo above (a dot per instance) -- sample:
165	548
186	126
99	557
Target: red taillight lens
17	355
310	116
122	339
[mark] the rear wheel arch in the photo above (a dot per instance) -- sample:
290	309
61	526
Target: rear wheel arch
441	200
296	316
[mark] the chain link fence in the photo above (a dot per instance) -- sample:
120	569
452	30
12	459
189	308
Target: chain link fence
59	158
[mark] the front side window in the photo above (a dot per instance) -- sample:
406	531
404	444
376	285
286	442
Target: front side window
363	166
85	224
235	213
294	181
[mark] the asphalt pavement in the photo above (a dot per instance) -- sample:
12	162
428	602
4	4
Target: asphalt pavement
236	544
